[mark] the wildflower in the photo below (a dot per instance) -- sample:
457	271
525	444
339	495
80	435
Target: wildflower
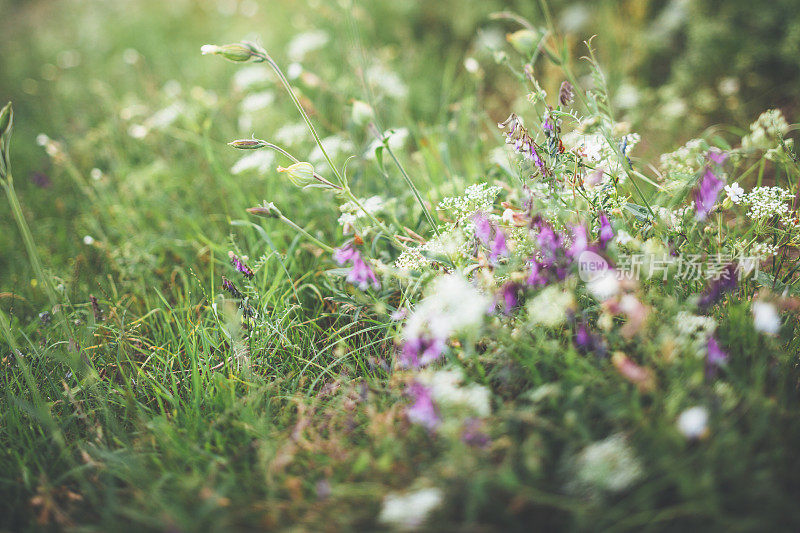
608	465
715	357
588	342
640	376
306	42
536	276
231	288
549	307
767	201
565	93
509	296
238	52
606	231
580	241
706	196
734	192
88	240
409	511
261	161
362	112
693	423
240	266
453	305
422	411
497	243
360	274
447	389
765	317
717	157
726	282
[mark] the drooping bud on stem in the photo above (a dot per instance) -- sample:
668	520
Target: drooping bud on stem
248	144
267	210
239	52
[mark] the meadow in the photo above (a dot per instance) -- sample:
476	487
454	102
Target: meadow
399	265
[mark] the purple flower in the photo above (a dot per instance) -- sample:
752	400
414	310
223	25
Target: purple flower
580	241
606	231
547	240
715	357
717	156
725	282
509	296
483	231
422	411
588	342
706	195
360	274
420	351
231	288
536	277
240	266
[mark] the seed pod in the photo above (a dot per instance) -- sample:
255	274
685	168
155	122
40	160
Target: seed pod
248	144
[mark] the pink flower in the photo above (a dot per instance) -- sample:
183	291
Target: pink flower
706	195
606	231
360	274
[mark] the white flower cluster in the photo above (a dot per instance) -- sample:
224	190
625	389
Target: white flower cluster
550	306
767	201
410	510
453	305
694	330
352	215
477	197
448	390
766	130
672	217
609	465
687	159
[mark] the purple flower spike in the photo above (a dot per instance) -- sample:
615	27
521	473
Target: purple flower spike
536	276
606	231
360	274
715	358
717	156
509	297
580	242
706	195
498	246
483	228
240	266
422	411
726	282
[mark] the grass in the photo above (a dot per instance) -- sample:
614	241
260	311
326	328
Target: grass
154	411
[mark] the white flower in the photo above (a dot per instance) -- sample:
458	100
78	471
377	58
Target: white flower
352	213
766	318
734	192
96	174
387	81
447	389
693	422
623	237
767	201
165	117
410	510
550	306
471	65
292	134
303	43
88	240
138	131
604	284
453	305
609	464
334	145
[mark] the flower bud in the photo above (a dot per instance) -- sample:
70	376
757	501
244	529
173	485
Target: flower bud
300	174
362	112
6	123
248	144
239	52
523	41
268	210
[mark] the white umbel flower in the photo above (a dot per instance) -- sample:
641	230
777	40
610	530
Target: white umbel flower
453	305
766	318
410	510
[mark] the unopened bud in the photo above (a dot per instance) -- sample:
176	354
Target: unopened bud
566	93
267	210
239	52
6	123
300	174
248	144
